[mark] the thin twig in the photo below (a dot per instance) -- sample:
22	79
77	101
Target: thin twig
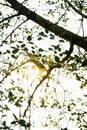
5	5
62	16
8	72
15	29
12	16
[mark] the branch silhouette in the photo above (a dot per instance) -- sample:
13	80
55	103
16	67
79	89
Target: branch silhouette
57	30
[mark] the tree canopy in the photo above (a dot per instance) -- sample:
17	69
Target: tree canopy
41	41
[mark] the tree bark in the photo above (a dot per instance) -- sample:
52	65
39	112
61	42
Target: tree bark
57	30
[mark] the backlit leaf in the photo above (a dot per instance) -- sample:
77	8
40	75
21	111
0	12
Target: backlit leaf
15	50
29	38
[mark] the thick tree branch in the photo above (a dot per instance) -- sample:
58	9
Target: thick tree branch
57	30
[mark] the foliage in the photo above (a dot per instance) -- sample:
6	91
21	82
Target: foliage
25	46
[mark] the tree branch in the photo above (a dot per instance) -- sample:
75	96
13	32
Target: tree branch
38	85
76	10
11	68
57	30
7	18
68	54
46	76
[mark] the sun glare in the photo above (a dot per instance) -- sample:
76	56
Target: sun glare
33	72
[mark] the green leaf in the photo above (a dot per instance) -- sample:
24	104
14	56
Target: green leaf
13	122
0	53
56	58
4	123
0	13
52	36
61	40
25	49
41	33
5	41
29	38
10	94
46	31
78	77
28	125
17	103
8	51
13	56
22	122
20	41
55	52
39	38
31	42
15	50
50	49
23	45
83	84
84	63
33	51
6	108
40	49
57	47
64	129
33	47
69	108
